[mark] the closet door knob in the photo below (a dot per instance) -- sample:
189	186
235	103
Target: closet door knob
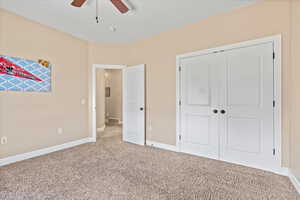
215	111
223	111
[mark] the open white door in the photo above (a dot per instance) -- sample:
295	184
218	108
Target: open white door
134	104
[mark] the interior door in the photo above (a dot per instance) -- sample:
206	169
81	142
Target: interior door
134	104
246	103
199	105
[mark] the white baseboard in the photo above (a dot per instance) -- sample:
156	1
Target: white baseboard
114	118
281	171
161	146
117	119
294	180
20	157
101	129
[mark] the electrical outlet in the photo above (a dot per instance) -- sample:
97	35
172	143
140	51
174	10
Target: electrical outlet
60	131
83	101
3	140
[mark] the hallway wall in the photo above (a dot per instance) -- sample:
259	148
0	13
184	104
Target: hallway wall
114	102
100	97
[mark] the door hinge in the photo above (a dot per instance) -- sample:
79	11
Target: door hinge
274	152
179	137
179	102
274	55
274	103
180	68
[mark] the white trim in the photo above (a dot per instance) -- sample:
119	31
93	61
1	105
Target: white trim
101	66
277	170
116	118
277	97
178	98
161	146
101	129
280	171
294	180
95	67
20	157
276	40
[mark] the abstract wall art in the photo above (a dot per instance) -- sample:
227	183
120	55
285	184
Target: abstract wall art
18	74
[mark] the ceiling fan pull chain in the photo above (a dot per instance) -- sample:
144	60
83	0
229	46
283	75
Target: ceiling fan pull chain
97	13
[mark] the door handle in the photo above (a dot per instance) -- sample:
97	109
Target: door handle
223	111
215	111
141	109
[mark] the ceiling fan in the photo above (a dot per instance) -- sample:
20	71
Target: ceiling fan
119	4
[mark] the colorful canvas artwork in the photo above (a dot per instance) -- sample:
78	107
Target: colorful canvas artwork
17	74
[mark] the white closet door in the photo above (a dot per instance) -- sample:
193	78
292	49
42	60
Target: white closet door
134	104
199	99
246	96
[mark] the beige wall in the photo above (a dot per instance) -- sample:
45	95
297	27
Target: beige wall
100	96
295	125
30	120
114	102
34	125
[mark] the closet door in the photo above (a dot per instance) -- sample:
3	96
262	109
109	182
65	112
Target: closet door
246	103
199	105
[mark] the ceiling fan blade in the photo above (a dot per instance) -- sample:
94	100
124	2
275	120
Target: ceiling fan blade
122	7
78	3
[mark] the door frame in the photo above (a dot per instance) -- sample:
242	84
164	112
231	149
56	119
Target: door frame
276	40
94	93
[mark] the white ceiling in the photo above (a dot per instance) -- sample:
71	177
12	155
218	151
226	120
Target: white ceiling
148	18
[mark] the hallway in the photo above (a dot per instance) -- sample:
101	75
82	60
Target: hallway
112	128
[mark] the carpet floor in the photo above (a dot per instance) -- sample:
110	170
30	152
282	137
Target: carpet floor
112	170
110	131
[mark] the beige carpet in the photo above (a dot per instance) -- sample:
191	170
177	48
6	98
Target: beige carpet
110	169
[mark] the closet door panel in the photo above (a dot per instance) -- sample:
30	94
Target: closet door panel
199	100
246	96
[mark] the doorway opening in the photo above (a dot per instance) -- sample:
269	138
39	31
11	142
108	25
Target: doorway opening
118	102
109	102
